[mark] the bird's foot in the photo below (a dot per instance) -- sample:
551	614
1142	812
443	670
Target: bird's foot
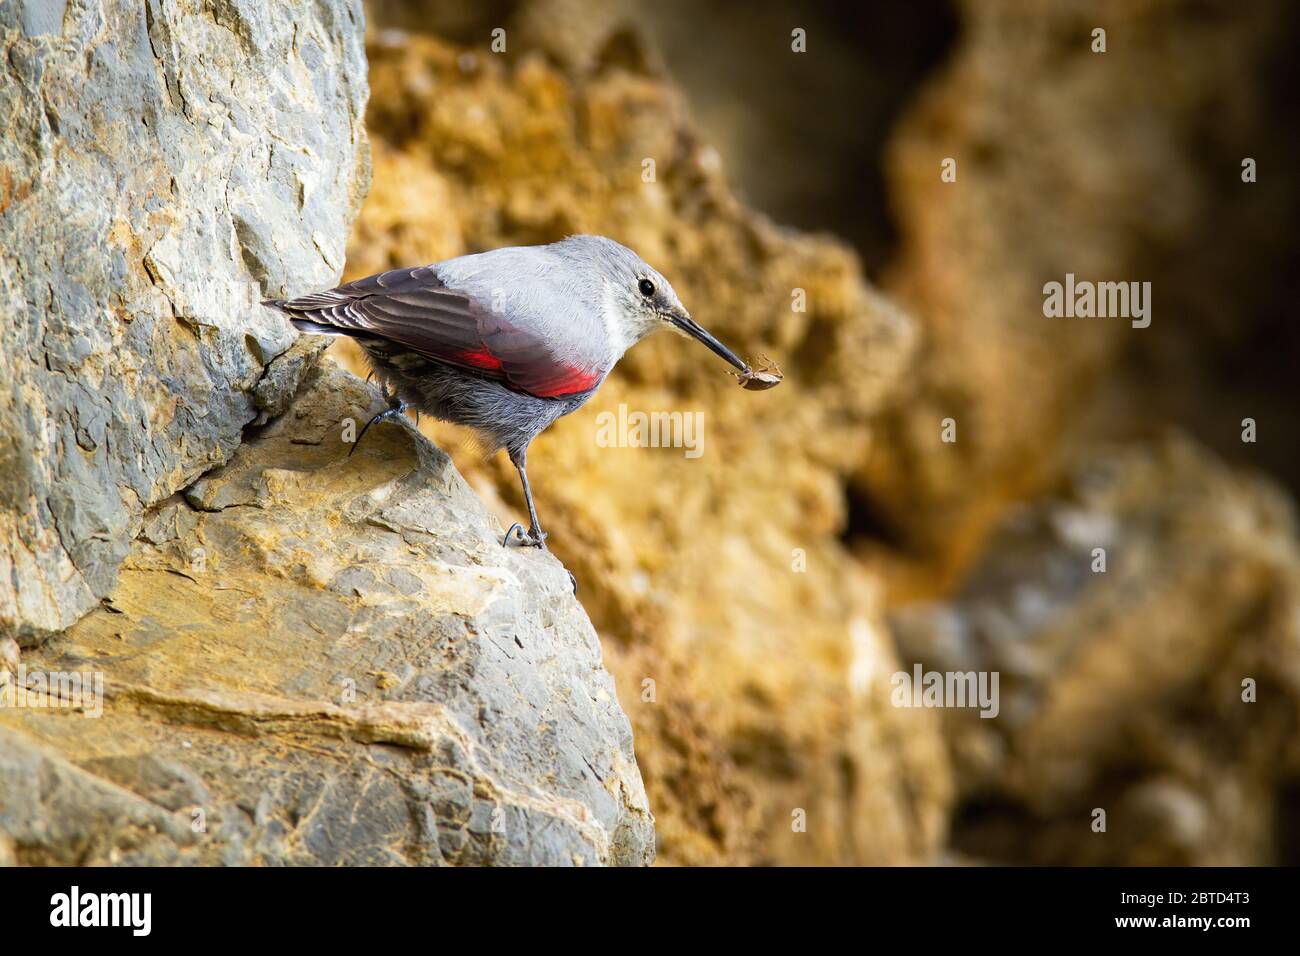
395	410
532	538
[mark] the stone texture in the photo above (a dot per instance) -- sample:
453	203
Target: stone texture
740	671
311	658
314	659
164	164
1123	689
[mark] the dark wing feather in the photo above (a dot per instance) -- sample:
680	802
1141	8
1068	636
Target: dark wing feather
415	309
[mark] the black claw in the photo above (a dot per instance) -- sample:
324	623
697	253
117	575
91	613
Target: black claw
365	428
532	538
573	581
393	411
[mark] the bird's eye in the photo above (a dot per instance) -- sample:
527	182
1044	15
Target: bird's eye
647	287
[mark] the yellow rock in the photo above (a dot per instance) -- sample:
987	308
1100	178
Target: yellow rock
734	664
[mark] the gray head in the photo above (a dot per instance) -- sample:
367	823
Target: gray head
636	299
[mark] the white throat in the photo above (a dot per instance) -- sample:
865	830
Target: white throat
616	332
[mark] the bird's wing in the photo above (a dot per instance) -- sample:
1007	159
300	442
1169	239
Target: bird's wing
415	309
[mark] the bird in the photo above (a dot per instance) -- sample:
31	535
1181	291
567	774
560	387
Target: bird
505	341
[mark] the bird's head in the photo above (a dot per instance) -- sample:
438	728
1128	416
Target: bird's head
638	300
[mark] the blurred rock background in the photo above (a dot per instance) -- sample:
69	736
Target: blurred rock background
754	602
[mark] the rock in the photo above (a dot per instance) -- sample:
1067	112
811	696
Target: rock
163	168
1125	689
737	666
233	643
328	660
1102	165
10	654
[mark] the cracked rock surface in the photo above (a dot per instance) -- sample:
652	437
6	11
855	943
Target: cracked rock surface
392	685
164	164
222	640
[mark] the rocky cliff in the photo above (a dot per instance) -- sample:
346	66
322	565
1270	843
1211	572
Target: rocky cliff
162	163
317	658
224	639
307	656
755	601
742	635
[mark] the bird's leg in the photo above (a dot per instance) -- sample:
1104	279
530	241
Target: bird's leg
534	537
396	408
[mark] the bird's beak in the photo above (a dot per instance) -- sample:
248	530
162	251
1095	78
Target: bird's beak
696	331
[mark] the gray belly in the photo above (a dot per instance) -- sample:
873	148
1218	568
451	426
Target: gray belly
503	418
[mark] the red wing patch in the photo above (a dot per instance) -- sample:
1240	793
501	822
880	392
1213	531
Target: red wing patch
564	380
570	381
481	358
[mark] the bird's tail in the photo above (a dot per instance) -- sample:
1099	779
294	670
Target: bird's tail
301	322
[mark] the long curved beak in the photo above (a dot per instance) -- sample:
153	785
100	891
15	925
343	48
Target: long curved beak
696	331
